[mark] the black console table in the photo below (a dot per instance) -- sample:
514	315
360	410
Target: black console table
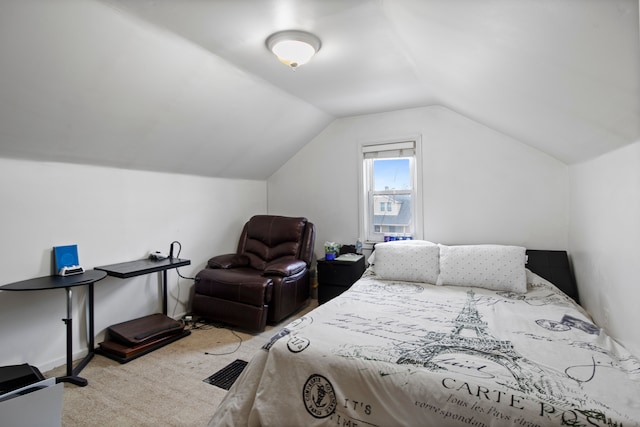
125	270
129	269
88	278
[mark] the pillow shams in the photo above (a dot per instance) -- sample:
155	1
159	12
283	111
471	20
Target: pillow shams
407	262
496	267
372	257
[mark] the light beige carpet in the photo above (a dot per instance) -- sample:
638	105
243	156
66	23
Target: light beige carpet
164	387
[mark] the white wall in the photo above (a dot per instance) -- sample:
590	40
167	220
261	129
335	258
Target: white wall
604	240
479	186
113	215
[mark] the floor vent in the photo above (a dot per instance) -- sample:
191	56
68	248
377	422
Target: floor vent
226	376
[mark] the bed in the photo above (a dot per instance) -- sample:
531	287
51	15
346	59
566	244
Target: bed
436	335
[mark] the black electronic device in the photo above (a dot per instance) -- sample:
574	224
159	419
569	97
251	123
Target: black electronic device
13	377
157	256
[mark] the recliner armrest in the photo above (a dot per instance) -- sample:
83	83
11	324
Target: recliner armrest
284	267
228	261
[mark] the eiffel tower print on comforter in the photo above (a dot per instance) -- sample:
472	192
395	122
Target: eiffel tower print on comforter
388	353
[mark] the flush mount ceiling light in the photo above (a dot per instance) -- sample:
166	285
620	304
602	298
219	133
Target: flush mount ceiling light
292	47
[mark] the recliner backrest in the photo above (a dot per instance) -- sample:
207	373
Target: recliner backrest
266	238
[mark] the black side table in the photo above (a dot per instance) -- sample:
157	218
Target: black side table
336	276
554	266
88	278
124	270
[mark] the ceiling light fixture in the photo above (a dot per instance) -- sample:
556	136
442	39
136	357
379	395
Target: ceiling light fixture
292	47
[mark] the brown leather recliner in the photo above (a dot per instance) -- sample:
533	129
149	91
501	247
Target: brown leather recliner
267	279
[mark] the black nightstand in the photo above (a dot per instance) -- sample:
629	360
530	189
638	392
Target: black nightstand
335	277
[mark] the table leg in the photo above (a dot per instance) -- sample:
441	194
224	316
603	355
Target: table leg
70	377
69	322
164	291
90	332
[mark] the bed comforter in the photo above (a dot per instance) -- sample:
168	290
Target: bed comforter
389	353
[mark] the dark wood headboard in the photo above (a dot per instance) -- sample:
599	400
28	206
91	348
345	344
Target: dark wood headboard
554	266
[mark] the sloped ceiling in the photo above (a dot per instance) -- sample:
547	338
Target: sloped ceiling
188	86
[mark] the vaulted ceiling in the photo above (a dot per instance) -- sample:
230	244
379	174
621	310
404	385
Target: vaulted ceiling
188	86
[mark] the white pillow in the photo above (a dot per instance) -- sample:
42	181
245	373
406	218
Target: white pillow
497	267
417	262
372	258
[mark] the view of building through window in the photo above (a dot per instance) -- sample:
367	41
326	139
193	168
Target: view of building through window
392	197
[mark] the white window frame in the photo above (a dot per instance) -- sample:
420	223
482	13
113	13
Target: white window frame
389	148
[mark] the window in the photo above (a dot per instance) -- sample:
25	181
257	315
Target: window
390	202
